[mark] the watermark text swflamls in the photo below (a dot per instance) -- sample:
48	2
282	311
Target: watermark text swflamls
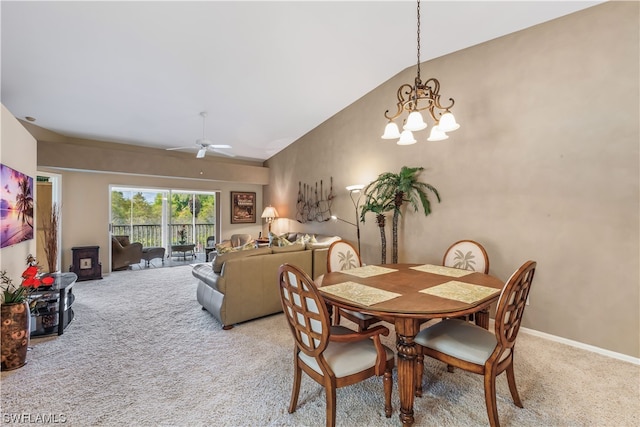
29	418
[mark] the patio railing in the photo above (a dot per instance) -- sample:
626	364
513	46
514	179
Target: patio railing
151	234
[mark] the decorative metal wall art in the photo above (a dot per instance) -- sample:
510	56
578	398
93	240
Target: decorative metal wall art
314	206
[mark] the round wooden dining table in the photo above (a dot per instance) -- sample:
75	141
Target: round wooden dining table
407	295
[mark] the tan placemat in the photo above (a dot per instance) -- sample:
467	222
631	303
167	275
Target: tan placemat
362	294
368	271
443	271
460	291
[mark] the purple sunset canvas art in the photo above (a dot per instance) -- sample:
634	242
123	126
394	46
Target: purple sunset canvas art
16	206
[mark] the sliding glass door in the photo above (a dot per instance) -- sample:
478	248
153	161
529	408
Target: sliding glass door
164	217
192	218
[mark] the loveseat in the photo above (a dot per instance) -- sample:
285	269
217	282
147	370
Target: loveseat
243	285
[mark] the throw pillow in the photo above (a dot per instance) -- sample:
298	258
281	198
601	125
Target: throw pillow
304	239
278	240
224	247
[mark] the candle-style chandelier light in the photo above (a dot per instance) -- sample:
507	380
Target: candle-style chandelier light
417	98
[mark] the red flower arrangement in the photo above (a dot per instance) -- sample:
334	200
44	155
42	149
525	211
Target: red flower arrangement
31	281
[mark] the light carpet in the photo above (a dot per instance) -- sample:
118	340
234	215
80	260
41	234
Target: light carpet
141	352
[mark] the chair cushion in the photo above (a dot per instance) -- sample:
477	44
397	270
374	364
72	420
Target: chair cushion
459	339
346	358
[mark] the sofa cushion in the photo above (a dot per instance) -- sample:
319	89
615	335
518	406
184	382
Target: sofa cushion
220	259
293	247
281	240
323	242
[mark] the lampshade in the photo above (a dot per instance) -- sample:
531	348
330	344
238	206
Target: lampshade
406	138
391	131
447	122
437	134
355	188
269	212
415	122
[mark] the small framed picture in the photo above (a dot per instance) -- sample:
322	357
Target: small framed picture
243	207
85	263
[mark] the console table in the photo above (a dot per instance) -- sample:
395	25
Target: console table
184	249
53	312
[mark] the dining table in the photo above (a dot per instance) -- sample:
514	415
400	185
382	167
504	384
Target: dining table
408	295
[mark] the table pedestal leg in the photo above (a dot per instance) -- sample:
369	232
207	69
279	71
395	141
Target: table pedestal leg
406	330
482	318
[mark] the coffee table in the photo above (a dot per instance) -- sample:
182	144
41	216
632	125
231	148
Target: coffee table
184	249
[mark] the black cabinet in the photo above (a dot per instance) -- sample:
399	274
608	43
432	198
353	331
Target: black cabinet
86	263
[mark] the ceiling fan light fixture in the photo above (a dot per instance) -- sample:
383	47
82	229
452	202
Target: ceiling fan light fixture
201	153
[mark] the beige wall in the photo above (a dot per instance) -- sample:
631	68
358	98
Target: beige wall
85	208
18	151
544	167
88	168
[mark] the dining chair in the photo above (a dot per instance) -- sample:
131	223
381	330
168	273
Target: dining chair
344	256
467	255
474	349
333	356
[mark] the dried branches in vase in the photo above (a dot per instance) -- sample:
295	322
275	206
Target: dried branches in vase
50	229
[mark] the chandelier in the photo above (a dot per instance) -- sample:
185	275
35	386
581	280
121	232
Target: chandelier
417	98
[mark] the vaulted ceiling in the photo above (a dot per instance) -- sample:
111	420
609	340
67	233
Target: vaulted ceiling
266	72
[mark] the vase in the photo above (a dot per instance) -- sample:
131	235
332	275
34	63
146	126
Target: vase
14	335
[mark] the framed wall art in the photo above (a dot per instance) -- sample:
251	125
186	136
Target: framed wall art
16	206
243	207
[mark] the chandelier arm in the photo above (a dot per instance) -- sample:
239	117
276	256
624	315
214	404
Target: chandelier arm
404	104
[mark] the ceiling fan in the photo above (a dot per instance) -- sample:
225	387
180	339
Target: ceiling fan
206	145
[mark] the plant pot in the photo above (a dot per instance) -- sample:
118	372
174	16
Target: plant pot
14	335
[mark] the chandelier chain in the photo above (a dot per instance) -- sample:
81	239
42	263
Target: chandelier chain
418	37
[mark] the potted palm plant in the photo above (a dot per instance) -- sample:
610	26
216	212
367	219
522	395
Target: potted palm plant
378	204
402	187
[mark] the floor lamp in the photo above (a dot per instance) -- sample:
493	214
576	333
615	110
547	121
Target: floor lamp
353	191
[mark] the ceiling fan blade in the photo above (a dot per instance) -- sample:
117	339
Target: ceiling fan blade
180	148
219	146
223	152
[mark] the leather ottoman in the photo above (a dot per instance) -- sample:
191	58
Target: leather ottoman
152	252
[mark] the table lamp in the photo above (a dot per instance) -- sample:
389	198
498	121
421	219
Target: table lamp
269	214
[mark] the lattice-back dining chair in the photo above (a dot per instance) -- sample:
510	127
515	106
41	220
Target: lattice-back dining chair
333	356
474	349
467	255
344	256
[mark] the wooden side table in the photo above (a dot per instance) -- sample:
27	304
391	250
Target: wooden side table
261	242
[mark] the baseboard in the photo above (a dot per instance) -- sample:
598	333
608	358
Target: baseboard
583	346
577	344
